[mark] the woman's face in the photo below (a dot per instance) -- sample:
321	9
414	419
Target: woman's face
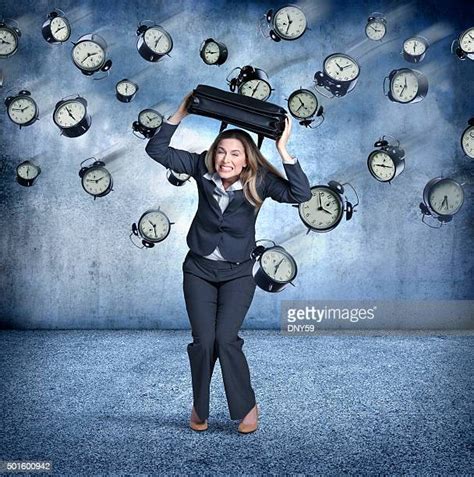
229	158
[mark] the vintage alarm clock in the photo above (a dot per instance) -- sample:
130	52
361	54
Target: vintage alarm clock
303	105
250	81
324	211
153	227
10	34
125	90
414	49
149	120
89	55
96	179
339	76
387	161
442	199
71	116
286	23
376	27
56	29
406	86
467	139
22	109
213	52
177	178
153	42
463	47
26	173
274	267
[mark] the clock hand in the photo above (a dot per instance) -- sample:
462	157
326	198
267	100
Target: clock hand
447	206
381	165
212	52
70	114
443	201
88	54
414	47
406	82
338	65
256	87
373	28
4	41
157	41
60	28
472	37
278	264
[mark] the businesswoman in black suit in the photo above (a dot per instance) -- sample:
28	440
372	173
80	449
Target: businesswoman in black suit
233	179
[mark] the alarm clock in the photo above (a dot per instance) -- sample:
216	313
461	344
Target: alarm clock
303	105
22	109
463	47
274	267
71	117
96	179
153	227
153	42
89	55
324	211
56	29
376	27
177	178
442	199
406	86
339	76
148	122
286	23
251	82
387	161
26	173
467	139
125	90
9	37
414	49
213	52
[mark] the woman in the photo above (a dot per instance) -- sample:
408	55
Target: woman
233	179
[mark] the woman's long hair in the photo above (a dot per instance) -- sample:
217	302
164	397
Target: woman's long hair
257	165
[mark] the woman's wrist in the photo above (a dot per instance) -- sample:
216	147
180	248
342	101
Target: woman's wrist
177	117
284	154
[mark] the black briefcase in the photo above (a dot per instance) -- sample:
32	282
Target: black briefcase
260	117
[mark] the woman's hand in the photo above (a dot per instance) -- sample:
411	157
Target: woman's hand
182	111
282	141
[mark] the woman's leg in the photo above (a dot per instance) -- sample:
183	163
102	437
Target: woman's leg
234	299
201	304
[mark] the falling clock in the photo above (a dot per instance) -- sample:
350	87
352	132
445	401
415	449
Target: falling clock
177	178
251	82
387	161
95	178
153	227
89	54
10	34
406	86
303	105
213	52
467	139
56	29
274	267
154	42
463	47
286	23
22	109
125	90
414	49
26	173
376	27
71	117
149	120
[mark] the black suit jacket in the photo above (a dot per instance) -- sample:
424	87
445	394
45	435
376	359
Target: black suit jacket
234	230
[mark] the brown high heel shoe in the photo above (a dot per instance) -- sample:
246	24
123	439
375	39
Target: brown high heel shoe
248	428
197	426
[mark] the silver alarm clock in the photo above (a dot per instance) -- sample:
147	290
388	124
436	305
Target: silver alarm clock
153	227
467	139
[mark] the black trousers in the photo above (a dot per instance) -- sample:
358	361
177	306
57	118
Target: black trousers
218	295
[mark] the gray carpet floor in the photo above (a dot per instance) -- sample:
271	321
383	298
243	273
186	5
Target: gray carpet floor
118	403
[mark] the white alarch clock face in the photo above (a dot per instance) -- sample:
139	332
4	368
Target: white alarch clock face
96	180
154	225
150	119
467	41
211	52
404	86
381	164
446	197
256	89
303	104
341	68
323	210
69	114
278	265
126	88
467	142
60	29
22	110
375	30
8	42
290	22
88	55
414	46
27	171
158	40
